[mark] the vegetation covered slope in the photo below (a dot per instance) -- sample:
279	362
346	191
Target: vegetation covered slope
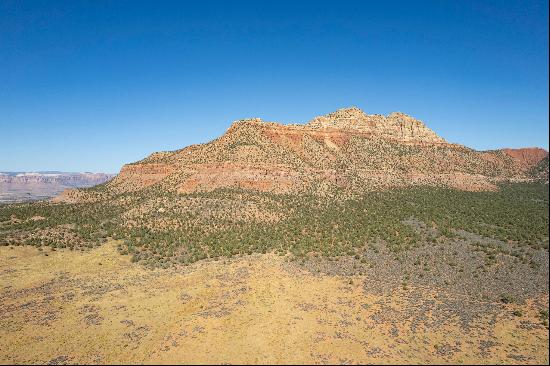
162	228
321	189
540	171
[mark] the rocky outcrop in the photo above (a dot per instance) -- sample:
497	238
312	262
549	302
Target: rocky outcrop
397	126
527	157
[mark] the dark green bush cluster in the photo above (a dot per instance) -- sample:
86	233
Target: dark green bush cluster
191	227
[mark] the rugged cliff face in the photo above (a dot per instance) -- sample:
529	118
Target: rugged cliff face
397	126
527	157
346	150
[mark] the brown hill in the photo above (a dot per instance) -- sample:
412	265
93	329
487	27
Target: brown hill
527	157
347	150
540	171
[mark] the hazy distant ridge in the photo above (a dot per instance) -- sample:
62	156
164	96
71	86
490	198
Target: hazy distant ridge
23	186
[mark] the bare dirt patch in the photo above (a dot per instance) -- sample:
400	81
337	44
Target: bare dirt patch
98	307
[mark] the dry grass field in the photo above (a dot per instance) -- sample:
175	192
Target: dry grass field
96	306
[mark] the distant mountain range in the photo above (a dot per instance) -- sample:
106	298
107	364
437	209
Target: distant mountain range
25	186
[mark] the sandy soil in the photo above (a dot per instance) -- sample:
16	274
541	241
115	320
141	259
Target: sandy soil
97	307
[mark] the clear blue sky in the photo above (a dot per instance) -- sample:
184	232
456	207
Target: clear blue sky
91	85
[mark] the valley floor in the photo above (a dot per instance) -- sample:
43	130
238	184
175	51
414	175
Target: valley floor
98	307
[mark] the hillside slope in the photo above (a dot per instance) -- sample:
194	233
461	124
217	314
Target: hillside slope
346	150
336	186
540	171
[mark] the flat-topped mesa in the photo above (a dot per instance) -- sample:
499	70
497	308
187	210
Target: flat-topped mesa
396	126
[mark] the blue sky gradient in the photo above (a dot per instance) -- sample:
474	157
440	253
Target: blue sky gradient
91	85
